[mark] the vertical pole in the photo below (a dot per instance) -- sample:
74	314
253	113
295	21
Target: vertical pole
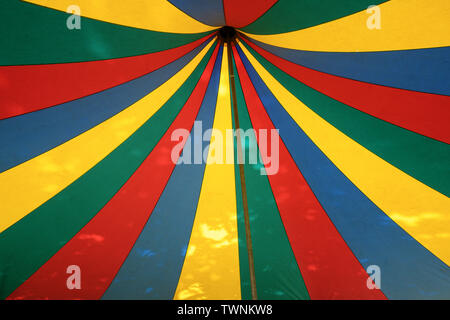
248	237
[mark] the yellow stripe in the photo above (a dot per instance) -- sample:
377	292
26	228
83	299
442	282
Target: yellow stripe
27	186
421	211
408	24
156	15
211	267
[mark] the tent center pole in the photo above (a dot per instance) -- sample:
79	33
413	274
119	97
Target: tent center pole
242	174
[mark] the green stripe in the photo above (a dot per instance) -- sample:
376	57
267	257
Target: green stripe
244	269
246	291
290	15
32	34
423	158
29	243
277	273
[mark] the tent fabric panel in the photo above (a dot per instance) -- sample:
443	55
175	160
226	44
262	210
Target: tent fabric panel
157	257
33	134
290	15
329	268
110	234
420	70
239	14
244	259
211	266
209	12
410	152
96	40
351	34
36	87
73	158
82	199
276	270
155	15
372	236
389	188
419	112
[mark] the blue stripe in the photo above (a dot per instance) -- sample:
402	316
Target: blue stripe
29	135
153	266
209	12
424	70
408	270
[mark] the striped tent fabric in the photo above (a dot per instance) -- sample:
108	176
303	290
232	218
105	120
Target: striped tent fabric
117	166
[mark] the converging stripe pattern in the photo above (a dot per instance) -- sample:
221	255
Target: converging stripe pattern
305	157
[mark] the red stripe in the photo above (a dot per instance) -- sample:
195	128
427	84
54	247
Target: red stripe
240	13
329	268
101	247
29	88
424	113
